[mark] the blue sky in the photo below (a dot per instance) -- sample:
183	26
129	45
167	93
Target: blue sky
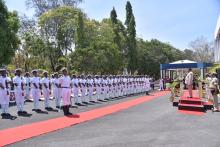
175	21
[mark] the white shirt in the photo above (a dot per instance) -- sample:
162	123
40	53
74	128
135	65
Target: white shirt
45	81
19	81
35	80
90	81
75	81
3	81
55	81
214	83
189	78
65	81
27	81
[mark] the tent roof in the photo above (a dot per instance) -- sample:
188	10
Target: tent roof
177	65
183	62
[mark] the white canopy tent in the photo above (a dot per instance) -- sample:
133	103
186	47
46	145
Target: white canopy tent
183	62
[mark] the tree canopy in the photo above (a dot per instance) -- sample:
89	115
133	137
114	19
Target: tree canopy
9	40
61	34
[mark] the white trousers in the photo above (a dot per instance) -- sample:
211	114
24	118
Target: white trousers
36	96
56	94
19	97
46	94
4	100
66	96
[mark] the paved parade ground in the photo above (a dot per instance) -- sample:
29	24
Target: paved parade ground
151	121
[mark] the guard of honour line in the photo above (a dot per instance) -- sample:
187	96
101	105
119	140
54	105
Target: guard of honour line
75	90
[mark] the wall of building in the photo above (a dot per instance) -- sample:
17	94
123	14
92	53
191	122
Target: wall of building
217	49
217	41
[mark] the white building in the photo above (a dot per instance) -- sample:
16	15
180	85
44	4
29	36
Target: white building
217	41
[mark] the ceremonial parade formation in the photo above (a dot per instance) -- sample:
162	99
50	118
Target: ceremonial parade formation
83	73
75	90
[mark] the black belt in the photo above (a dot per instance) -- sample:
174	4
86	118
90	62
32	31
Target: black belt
65	87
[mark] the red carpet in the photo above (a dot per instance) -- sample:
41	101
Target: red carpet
191	112
188	105
13	135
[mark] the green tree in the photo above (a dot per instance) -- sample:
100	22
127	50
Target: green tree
80	31
129	13
114	16
9	40
153	53
131	39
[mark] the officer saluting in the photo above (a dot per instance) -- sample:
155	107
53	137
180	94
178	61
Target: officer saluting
65	85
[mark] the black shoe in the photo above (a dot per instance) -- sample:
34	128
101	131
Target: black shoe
68	114
38	110
3	114
64	110
8	114
48	108
24	112
81	104
19	113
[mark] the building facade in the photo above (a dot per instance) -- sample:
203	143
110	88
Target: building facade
217	41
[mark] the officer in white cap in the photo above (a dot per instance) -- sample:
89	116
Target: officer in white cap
75	85
46	87
56	90
4	93
19	83
83	88
98	88
35	89
90	86
27	85
65	84
105	87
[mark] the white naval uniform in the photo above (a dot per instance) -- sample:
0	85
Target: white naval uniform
110	88
83	90
75	83
19	93
110	91
124	86
148	84
98	88
4	94
27	87
35	91
106	87
56	91
161	84
103	95
90	89
65	83
46	91
114	88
